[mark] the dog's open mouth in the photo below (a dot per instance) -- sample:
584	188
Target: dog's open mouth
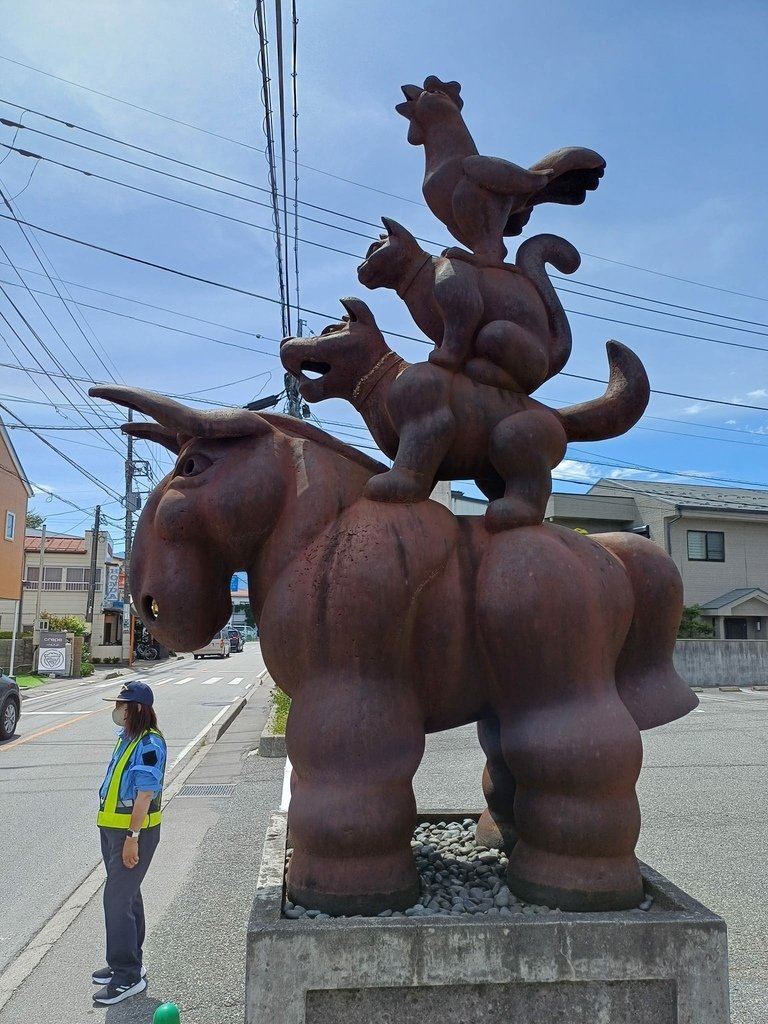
313	370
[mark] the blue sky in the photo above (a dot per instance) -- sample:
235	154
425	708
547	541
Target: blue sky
672	95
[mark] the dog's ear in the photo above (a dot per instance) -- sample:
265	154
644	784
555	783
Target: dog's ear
358	311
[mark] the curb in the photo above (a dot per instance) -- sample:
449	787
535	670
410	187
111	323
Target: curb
271	744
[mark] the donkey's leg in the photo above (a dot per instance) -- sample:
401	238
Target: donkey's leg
524	448
576	811
496	827
355	747
419	405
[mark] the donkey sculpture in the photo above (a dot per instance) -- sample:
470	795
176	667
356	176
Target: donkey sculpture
387	621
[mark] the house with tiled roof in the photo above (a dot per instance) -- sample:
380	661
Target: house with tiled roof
65	581
717	537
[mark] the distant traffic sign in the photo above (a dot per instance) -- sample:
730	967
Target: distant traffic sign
234	583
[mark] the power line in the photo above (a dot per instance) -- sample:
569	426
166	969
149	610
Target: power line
61	454
239	142
155	323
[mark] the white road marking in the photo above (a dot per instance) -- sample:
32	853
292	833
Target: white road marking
180	682
213	679
235	681
285	798
28	714
203	732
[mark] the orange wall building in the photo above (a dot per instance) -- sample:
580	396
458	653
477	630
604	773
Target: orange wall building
14	495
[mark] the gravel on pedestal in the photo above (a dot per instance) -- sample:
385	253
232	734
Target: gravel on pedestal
458	877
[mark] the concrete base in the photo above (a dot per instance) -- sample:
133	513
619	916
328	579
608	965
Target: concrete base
665	966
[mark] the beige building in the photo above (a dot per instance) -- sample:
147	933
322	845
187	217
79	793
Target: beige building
65	584
15	492
717	537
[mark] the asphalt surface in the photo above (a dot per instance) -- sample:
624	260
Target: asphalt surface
50	773
703	797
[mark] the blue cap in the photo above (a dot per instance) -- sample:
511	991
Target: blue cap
136	692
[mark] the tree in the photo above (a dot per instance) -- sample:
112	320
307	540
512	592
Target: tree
692	626
34	521
67	624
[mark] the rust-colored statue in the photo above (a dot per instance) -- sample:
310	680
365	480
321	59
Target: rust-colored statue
480	199
387	621
386	617
503	325
437	425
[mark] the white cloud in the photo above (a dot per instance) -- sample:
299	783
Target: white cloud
632	474
577	472
693	410
760	393
730	423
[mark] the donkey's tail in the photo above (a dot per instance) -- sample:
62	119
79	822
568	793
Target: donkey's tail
619	408
531	258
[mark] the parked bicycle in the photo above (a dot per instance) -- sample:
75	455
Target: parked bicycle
145	651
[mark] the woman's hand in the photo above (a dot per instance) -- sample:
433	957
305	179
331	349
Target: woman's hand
130	852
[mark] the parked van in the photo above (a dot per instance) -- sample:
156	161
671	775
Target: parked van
218	646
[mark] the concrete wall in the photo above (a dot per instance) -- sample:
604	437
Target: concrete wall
722	662
23	656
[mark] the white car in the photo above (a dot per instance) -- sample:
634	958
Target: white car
218	646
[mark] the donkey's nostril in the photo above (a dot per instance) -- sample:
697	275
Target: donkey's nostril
150	608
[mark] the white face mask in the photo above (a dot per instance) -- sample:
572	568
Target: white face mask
119	715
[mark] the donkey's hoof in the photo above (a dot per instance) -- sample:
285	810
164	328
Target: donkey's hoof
581	884
494	833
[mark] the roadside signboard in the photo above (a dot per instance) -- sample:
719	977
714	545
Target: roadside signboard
52	653
234	583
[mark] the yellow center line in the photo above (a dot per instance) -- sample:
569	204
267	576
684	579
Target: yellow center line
51	728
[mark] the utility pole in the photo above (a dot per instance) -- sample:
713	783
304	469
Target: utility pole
127	646
91	600
293	398
36	627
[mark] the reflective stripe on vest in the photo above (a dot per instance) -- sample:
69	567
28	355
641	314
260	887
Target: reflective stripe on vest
115	814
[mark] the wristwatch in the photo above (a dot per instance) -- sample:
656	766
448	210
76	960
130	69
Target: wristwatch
132	835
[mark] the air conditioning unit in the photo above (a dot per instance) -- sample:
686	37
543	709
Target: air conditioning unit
43	625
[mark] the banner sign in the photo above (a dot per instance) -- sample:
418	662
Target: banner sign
111	587
52	653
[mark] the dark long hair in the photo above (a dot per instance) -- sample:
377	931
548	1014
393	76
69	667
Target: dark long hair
139	718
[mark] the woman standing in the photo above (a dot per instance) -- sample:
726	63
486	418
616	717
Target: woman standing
129	823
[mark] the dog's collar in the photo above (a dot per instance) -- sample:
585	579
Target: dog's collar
403	290
366	384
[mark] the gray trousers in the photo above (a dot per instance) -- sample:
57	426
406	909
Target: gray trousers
123	905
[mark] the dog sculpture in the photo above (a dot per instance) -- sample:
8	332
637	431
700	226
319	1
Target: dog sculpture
438	425
504	325
385	622
480	198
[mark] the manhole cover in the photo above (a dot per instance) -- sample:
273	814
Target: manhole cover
220	790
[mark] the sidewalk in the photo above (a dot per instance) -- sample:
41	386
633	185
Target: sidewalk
197	895
702	794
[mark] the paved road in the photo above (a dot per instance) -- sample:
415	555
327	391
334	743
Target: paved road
51	770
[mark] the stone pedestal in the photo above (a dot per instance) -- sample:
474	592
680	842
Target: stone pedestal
665	966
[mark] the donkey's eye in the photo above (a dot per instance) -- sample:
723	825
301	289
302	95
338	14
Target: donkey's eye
194	465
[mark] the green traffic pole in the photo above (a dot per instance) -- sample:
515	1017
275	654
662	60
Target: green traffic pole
168	1013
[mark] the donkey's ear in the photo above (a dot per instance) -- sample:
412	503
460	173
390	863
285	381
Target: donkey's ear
154	432
358	311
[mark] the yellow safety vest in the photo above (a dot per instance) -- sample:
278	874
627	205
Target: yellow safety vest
113	814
